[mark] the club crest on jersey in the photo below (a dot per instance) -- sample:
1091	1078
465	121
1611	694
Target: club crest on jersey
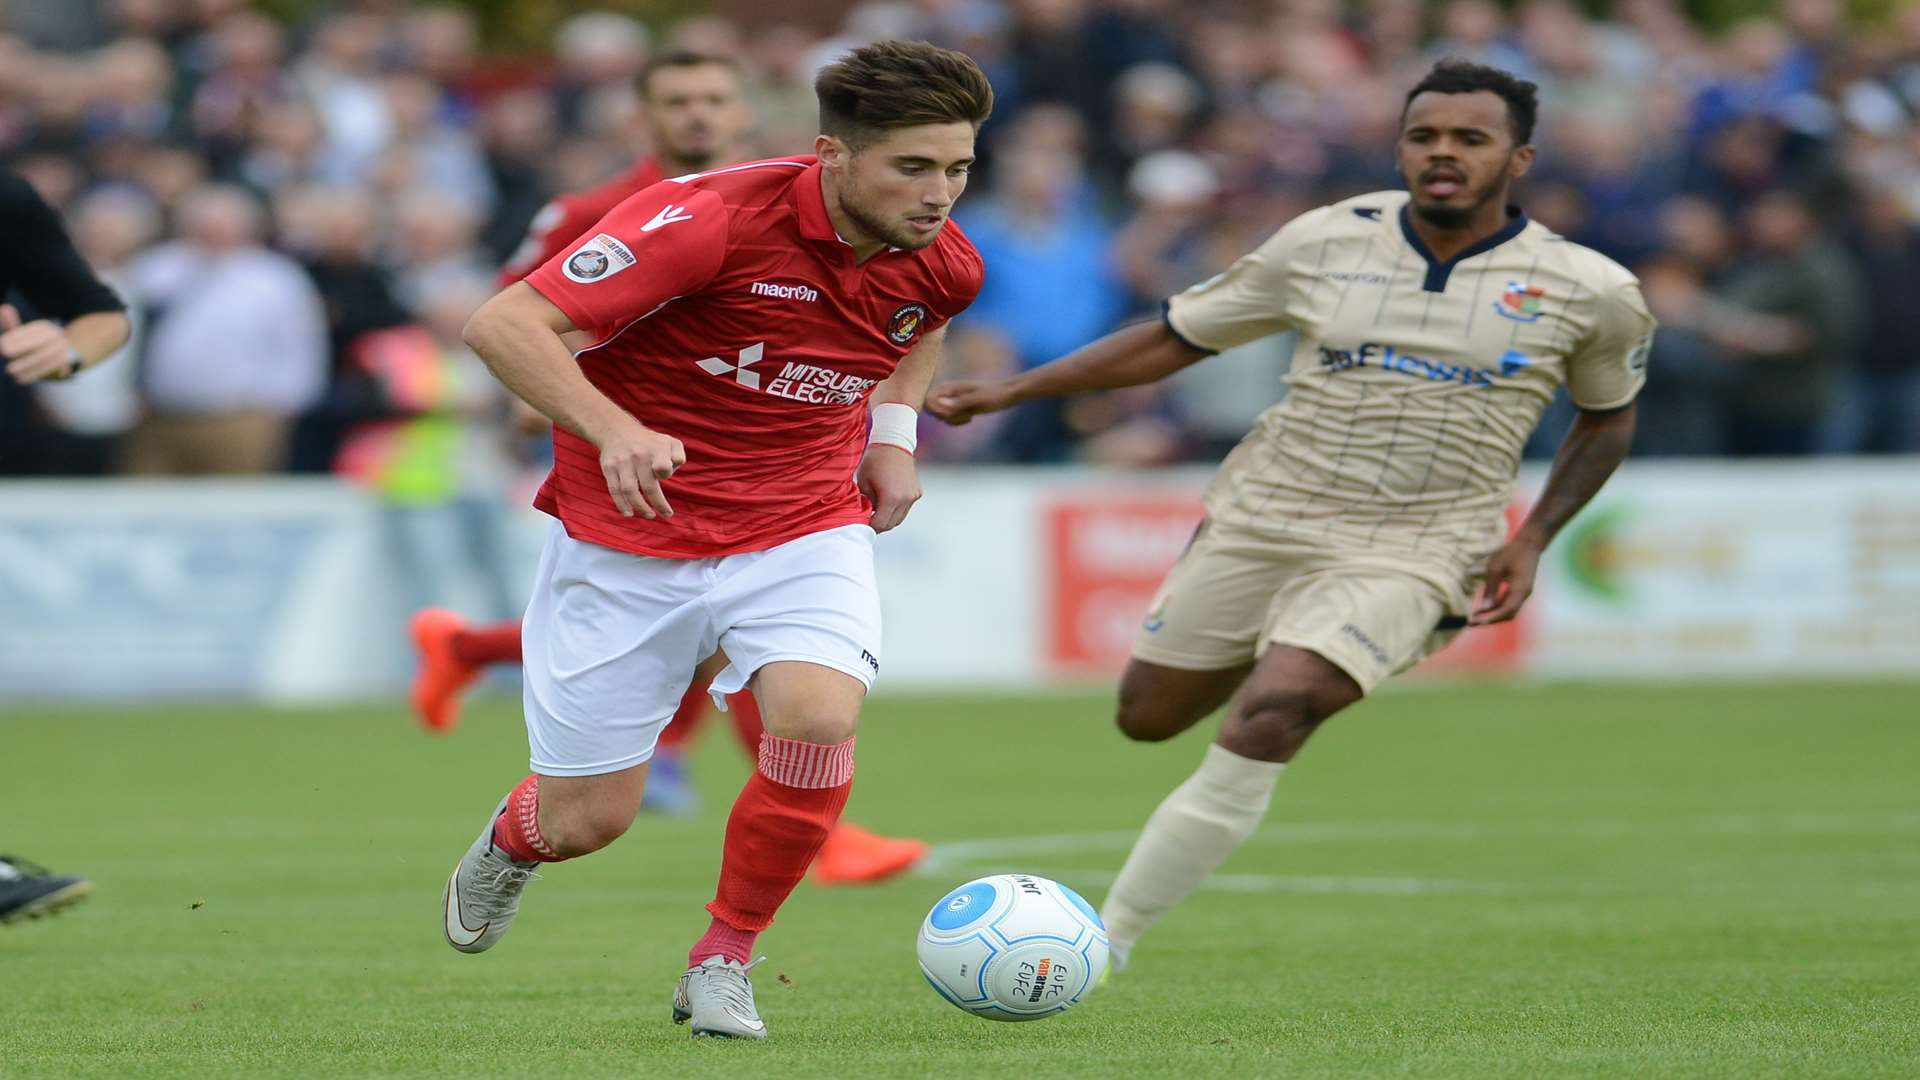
597	259
906	323
1521	303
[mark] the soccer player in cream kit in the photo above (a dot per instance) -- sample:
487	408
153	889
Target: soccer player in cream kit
738	426
1361	523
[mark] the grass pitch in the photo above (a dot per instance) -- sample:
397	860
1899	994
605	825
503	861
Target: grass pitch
1473	881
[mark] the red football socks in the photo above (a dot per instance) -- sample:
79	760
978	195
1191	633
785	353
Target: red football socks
778	824
484	645
516	832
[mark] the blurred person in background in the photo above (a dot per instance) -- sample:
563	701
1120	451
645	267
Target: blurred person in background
440	156
334	233
1879	409
1789	318
339	77
235	343
246	53
693	116
596	54
1053	285
1688	404
519	133
434	447
431	240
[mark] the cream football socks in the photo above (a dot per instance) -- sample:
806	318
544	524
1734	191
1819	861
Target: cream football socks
1186	839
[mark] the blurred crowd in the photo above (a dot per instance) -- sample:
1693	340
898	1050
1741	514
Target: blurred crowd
301	216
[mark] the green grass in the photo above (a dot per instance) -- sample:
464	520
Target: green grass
1464	881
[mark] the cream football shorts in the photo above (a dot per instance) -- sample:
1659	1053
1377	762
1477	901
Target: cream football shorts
611	638
1233	594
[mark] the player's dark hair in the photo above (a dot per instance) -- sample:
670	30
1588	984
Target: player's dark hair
896	84
680	58
1456	76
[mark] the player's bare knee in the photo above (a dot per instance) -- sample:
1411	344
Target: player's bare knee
1144	720
585	831
819	722
1273	722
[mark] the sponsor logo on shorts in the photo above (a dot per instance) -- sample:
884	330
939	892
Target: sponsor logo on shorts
1372	647
872	662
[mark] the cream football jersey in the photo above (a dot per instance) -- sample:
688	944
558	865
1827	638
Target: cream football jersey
1415	382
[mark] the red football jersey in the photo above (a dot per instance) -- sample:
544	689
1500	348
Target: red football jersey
730	315
567	218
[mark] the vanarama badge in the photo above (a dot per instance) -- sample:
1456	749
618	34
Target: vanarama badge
905	324
1521	303
597	259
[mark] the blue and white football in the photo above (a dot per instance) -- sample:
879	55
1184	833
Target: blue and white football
1013	947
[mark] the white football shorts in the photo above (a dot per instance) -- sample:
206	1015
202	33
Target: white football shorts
612	638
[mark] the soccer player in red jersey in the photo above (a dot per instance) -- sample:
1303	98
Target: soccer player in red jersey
696	116
726	448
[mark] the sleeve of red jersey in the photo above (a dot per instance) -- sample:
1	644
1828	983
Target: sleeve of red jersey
663	243
964	273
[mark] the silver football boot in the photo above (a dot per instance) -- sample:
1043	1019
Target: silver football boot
718	997
483	895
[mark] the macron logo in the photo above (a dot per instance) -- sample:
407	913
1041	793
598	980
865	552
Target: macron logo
668	215
784	292
749	356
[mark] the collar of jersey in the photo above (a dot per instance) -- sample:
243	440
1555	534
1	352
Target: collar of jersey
810	202
1437	271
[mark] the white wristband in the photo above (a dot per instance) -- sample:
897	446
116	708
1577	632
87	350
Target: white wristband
895	424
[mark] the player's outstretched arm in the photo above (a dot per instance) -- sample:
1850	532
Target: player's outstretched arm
520	335
1593	448
1131	356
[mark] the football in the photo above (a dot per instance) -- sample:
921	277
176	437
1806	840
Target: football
1013	947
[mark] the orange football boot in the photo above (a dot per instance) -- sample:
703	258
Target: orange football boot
854	856
442	675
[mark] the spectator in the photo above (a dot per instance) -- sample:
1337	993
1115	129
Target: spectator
1880	405
1052	288
435	451
235	343
1790	319
334	233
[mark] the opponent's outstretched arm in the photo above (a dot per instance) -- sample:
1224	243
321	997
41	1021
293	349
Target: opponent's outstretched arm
1131	356
1594	447
522	337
